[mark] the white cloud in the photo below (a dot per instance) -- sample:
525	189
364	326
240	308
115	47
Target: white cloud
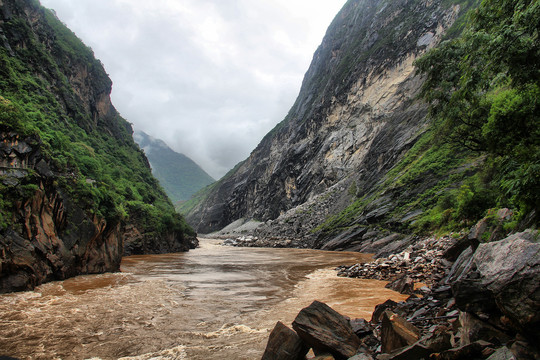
209	77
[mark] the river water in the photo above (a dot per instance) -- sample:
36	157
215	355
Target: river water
214	302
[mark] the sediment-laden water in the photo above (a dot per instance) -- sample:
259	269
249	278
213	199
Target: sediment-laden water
214	302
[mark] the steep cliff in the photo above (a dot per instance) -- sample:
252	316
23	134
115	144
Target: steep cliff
180	176
76	193
356	116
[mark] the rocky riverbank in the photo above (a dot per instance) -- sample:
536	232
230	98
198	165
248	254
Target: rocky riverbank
469	300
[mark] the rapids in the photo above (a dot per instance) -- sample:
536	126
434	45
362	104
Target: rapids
214	302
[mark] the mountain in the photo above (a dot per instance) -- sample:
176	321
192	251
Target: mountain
180	176
355	115
362	156
76	192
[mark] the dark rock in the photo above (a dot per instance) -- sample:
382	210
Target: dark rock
439	340
470	351
403	285
462	264
396	332
473	329
504	275
380	309
323	357
361	357
43	169
413	352
325	330
284	344
453	252
523	349
345	240
502	354
361	327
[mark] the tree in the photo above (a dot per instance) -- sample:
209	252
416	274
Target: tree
483	89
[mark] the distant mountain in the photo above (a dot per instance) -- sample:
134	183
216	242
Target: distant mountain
180	176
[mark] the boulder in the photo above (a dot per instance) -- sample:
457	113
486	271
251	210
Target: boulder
396	332
473	329
379	310
403	285
412	352
471	351
326	331
361	357
502	354
505	276
284	344
361	327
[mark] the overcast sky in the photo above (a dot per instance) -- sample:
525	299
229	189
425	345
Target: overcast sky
209	77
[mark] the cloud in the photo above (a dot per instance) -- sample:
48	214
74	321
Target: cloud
209	77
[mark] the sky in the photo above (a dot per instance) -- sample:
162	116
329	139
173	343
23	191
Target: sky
208	77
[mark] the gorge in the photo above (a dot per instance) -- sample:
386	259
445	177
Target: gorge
411	156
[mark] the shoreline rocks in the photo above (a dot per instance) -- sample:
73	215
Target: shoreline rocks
484	305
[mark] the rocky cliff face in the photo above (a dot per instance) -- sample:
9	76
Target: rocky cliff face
51	237
355	117
76	192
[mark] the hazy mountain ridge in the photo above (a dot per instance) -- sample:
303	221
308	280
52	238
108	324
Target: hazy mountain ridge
180	176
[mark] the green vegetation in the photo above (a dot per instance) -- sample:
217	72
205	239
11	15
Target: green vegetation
484	93
100	166
180	176
482	149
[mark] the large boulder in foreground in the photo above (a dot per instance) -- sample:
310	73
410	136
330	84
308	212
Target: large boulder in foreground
284	344
326	331
505	274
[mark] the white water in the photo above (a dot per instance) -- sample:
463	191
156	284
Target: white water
210	303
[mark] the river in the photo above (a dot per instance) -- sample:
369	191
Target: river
214	302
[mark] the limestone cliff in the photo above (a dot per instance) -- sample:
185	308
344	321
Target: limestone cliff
355	117
76	193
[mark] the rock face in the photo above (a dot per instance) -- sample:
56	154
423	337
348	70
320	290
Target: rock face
355	116
53	238
55	220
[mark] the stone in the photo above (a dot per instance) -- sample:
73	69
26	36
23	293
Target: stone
505	276
453	252
403	285
396	332
361	327
473	329
43	169
361	357
439	340
502	354
323	357
379	310
412	352
470	351
284	344
325	330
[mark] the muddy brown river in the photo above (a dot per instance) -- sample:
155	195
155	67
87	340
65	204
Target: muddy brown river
214	302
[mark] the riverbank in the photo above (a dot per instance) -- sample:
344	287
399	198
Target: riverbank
468	300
